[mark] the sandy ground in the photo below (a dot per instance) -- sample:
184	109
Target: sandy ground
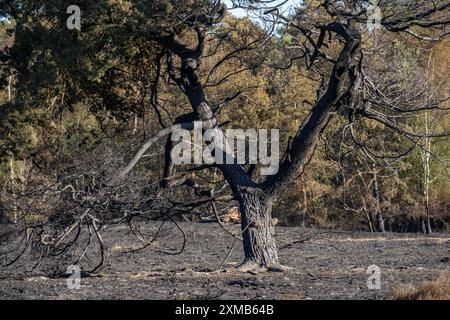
327	265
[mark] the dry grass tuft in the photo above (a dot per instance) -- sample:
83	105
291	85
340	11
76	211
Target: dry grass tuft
438	289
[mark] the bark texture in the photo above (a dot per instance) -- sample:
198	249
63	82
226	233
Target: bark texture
258	230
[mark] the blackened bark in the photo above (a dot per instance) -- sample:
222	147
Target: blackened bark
429	229
258	231
168	164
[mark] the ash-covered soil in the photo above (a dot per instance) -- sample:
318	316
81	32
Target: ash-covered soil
327	265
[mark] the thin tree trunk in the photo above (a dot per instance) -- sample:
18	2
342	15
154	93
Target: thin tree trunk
9	87
12	178
380	222
369	221
424	229
305	200
429	229
426	177
376	195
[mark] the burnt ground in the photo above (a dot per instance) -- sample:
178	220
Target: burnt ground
327	265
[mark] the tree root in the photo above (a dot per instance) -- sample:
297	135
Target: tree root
253	267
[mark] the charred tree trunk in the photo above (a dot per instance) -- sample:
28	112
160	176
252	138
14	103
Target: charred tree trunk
256	199
429	230
255	204
258	231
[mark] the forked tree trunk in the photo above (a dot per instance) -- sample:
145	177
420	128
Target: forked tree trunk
256	199
258	231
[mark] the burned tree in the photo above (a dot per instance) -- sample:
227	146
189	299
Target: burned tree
330	43
346	88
